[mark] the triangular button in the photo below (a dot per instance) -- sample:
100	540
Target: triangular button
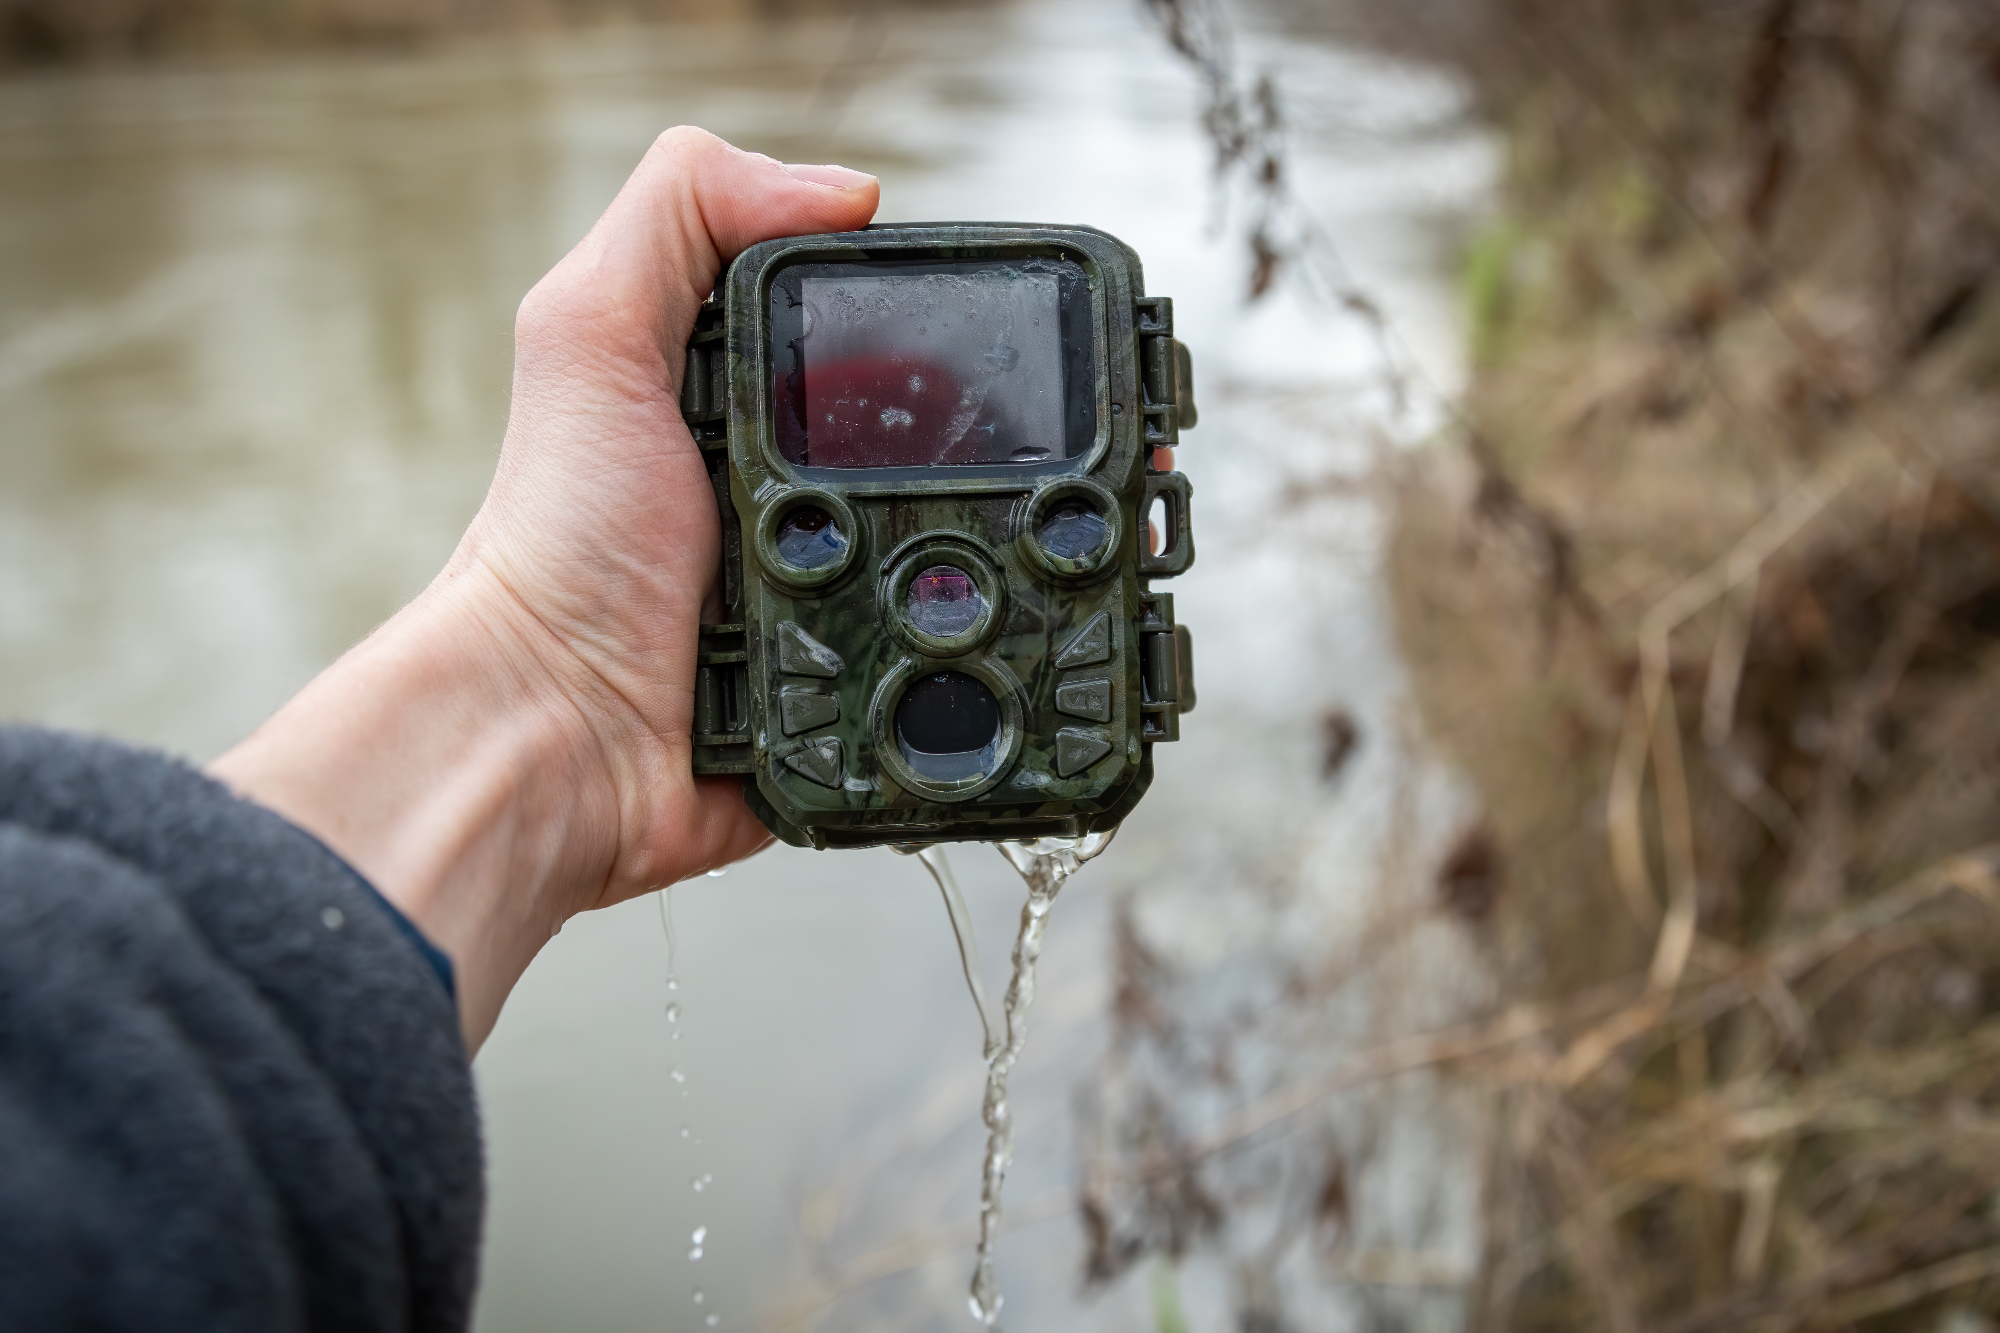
1077	748
800	654
1089	645
819	760
1089	698
804	709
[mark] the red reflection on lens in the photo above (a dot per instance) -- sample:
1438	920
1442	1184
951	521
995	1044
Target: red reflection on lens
942	583
944	601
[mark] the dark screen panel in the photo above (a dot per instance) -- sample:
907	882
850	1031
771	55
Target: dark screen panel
927	364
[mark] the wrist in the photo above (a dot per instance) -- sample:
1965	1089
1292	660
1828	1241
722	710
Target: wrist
450	760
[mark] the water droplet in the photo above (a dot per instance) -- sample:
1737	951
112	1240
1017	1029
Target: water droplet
676	1075
702	1181
685	1131
333	918
673	1012
712	1320
700	1235
673	983
718	872
695	1253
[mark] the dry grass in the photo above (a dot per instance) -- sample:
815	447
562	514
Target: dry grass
1709	607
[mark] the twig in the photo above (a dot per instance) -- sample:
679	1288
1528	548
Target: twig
1651	726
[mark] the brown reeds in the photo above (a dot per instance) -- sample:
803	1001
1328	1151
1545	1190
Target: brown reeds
1709	608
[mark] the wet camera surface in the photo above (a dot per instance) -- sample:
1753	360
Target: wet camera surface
931	453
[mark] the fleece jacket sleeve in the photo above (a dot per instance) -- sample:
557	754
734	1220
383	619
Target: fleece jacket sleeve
233	1094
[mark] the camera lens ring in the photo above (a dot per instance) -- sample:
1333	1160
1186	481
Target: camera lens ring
990	671
961	557
770	520
1035	513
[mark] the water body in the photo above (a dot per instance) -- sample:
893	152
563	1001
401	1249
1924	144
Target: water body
254	343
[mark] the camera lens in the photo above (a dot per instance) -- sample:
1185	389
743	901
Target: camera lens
810	539
944	601
1071	530
948	726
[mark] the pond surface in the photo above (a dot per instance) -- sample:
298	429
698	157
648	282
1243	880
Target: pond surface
254	354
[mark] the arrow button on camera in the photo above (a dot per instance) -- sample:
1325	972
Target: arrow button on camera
804	709
1077	748
1090	645
800	654
820	761
1089	698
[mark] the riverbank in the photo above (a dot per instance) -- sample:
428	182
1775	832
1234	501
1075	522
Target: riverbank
35	33
1703	599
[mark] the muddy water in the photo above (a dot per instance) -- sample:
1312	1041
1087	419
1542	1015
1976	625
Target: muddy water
253	364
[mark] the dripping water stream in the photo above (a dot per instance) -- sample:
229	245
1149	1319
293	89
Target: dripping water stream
961	928
1045	864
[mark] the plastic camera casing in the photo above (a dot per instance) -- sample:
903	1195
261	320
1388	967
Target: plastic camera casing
798	684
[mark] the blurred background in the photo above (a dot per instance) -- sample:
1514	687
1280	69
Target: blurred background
1571	906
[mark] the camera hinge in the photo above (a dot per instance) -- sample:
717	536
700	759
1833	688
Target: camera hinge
721	693
705	383
1166	669
705	409
1166	373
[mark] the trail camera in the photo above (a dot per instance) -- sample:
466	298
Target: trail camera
931	447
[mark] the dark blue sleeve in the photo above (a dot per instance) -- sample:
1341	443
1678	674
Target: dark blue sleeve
233	1094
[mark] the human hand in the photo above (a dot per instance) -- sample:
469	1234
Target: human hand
513	747
601	525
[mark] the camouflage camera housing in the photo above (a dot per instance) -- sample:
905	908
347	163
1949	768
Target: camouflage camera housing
930	446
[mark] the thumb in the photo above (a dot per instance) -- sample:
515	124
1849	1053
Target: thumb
624	299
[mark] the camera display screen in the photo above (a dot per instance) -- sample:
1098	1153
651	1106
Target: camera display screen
928	364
